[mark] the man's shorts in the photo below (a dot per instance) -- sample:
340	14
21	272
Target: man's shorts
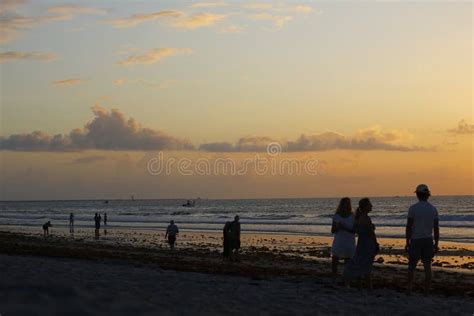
420	249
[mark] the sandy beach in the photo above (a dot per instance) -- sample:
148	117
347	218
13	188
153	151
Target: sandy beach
127	272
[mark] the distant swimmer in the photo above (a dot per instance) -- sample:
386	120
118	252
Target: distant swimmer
171	233
46	227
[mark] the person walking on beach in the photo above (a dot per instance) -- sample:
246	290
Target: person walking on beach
105	219
46	227
361	264
343	245
71	222
226	250
171	233
233	236
97	220
422	221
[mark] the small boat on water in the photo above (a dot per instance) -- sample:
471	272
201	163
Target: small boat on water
189	203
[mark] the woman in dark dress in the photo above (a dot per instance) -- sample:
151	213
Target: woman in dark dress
360	266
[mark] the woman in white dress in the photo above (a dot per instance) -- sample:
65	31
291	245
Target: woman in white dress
343	245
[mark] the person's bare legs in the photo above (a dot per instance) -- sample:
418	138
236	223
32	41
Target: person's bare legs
428	276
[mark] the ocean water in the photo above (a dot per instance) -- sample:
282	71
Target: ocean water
290	216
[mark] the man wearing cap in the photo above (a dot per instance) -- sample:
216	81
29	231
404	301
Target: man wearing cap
422	221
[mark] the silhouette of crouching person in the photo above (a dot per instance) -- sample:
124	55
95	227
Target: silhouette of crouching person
46	227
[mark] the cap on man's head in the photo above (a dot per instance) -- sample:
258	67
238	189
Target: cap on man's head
422	188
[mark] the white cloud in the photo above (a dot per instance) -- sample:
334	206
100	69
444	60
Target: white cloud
17	56
160	85
232	29
136	19
153	56
278	20
199	20
209	4
73	9
69	82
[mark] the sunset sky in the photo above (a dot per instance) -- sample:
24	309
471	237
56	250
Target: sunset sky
379	93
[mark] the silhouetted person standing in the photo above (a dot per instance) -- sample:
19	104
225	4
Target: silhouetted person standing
360	266
46	227
97	220
225	243
71	222
422	221
233	235
343	245
105	219
171	233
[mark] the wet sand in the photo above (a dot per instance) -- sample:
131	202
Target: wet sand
299	255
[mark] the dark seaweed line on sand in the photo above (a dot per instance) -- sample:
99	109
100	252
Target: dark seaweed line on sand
257	264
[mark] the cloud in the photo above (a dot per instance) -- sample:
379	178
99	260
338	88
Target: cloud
178	18
266	6
368	139
161	85
278	20
277	13
72	9
232	29
120	82
10	5
257	6
16	55
136	19
11	23
244	144
463	128
109	130
153	55
209	4
302	8
69	82
113	130
199	20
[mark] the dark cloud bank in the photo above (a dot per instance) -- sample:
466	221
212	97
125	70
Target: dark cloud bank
112	130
